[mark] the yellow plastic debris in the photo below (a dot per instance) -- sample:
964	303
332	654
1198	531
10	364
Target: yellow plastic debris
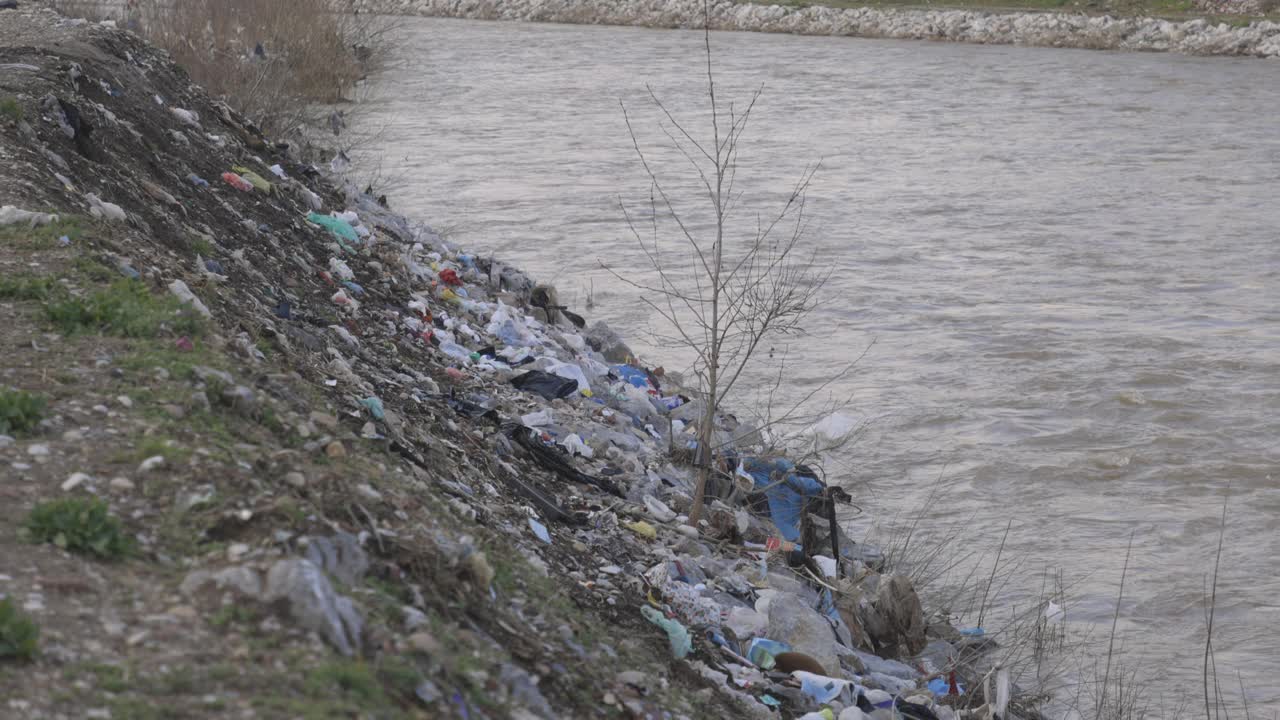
643	529
254	178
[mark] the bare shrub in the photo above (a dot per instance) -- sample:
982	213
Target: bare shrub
272	60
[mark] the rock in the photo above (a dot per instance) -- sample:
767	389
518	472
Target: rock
295	479
898	602
324	420
335	449
75	481
242	400
413	617
522	691
243	580
38	450
207	373
123	484
200	401
340	555
800	626
311	601
425	643
608	343
151	463
478	568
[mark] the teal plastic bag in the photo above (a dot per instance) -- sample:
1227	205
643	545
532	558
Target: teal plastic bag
337	226
676	634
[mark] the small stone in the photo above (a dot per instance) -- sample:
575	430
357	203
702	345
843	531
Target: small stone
324	420
38	450
241	399
368	491
123	484
75	481
177	412
125	401
151	463
102	409
413	617
183	612
610	699
137	638
237	551
72	436
424	643
296	479
335	449
200	401
6	441
611	570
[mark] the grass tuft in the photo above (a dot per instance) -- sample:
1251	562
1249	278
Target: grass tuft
20	411
10	108
125	308
79	525
27	287
19	634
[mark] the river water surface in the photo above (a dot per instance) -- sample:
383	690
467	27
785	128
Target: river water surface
1069	263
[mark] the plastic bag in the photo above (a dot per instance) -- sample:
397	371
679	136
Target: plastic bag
337	226
549	386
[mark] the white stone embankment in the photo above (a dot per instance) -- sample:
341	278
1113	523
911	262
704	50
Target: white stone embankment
1192	37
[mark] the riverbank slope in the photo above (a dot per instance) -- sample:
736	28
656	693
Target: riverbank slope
272	450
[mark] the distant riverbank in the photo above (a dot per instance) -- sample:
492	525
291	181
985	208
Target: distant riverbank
1198	36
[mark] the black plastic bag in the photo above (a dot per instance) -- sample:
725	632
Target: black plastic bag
549	386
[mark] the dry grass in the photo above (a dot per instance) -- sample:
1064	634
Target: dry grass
311	53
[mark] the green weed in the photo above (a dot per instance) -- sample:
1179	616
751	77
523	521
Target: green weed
19	634
20	411
43	236
10	108
28	287
125	308
79	525
355	679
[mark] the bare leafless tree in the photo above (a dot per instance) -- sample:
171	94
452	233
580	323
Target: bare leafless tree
724	289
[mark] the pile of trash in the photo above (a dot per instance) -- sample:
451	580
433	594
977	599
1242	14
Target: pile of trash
474	377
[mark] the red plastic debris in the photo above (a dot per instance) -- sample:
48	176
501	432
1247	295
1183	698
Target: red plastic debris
184	344
449	277
237	182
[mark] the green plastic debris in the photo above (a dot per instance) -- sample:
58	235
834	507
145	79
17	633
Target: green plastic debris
676	634
374	406
339	227
254	178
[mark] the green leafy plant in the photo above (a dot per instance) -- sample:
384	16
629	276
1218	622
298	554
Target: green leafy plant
18	633
80	525
27	287
10	108
125	308
19	411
